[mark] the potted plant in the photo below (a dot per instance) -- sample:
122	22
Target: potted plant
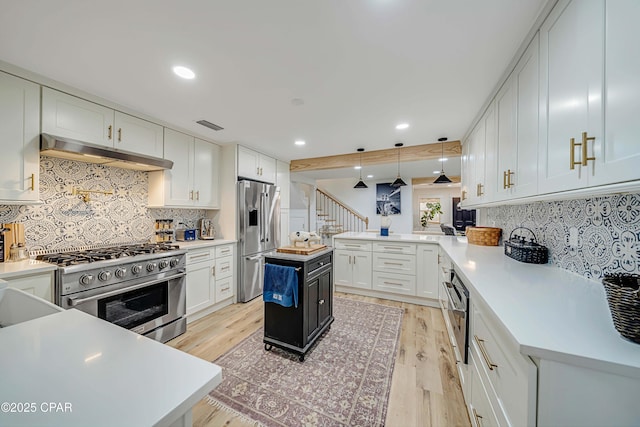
432	209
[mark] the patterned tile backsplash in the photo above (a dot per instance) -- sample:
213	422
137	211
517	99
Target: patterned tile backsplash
65	221
591	237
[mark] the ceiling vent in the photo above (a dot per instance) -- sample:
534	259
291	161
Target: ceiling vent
209	125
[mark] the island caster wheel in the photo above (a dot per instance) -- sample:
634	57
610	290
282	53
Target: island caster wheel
301	357
268	347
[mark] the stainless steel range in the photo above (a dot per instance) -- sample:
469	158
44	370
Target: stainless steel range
139	287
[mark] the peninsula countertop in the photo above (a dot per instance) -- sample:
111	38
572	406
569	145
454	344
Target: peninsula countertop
25	267
96	374
549	312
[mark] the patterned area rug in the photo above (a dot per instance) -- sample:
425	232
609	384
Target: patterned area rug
344	381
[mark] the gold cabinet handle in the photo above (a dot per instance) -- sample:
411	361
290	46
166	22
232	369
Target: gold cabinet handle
198	195
585	159
119	134
191	195
213	271
479	191
33	182
485	355
572	154
478	417
506	179
110	132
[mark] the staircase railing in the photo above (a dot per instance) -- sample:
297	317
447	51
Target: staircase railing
335	217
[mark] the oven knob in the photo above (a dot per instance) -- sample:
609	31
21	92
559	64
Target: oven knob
86	279
136	269
174	262
103	276
151	266
121	272
164	264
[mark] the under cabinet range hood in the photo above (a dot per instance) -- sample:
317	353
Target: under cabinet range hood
66	148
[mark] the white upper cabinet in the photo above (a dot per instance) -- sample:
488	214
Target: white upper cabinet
618	158
571	80
516	103
19	138
194	180
256	166
138	136
466	176
70	117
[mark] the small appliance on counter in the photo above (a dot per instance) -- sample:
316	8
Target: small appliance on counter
185	234
207	230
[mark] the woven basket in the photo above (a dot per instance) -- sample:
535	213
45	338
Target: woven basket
530	252
623	296
483	236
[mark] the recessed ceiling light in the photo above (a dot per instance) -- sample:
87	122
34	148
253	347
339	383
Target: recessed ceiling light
402	126
357	167
444	159
369	176
300	142
184	72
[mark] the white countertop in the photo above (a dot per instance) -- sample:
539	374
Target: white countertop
393	237
195	244
24	267
550	313
109	375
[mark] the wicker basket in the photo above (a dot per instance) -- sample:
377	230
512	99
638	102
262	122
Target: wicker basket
530	252
483	236
623	296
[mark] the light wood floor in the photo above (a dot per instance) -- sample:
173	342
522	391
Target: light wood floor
425	389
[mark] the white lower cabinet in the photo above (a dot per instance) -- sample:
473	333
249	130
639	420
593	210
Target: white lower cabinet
427	277
210	279
352	268
39	284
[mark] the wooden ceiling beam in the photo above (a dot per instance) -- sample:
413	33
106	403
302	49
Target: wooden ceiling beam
378	157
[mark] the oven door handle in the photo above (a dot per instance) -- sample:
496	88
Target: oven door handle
455	307
77	301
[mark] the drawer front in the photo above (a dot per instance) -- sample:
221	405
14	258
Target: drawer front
504	369
198	255
352	245
392	263
394	283
224	267
316	264
395	248
224	288
224	250
482	412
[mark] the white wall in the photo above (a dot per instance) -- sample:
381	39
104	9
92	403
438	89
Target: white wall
445	194
363	200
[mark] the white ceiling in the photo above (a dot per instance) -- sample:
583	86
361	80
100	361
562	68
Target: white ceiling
360	66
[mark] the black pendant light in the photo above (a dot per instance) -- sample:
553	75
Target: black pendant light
442	179
398	182
360	183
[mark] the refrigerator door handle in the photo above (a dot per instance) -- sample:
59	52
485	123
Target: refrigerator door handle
261	224
253	258
267	221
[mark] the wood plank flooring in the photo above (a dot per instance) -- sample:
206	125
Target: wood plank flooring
425	389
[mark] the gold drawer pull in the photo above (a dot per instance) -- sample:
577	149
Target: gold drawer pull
392	263
33	182
224	289
506	179
110	129
585	159
478	417
485	356
392	283
479	191
119	134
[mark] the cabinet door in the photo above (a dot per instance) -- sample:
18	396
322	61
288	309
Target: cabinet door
267	168
20	138
312	306
284	183
342	271
179	180
206	174
67	116
40	285
488	190
200	286
138	136
427	274
467	178
617	158
325	293
248	163
506	113
571	78
361	266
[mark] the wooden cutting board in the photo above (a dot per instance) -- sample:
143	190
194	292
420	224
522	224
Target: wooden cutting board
301	250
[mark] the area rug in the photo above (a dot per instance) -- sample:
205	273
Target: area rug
344	381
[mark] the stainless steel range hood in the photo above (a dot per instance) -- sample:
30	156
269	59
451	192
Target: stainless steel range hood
66	148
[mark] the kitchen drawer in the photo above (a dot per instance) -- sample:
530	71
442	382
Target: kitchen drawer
508	374
313	266
394	263
395	248
395	283
352	245
224	250
224	288
198	255
224	267
482	411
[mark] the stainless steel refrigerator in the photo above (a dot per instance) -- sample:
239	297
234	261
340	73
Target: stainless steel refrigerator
258	233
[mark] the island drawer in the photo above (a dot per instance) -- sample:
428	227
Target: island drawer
352	245
395	247
397	263
393	282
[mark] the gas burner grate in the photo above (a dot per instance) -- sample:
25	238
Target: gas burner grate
87	256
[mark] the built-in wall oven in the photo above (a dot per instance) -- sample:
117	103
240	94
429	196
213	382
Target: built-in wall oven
457	310
141	288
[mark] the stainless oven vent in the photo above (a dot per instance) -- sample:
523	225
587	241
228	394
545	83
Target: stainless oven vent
209	125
